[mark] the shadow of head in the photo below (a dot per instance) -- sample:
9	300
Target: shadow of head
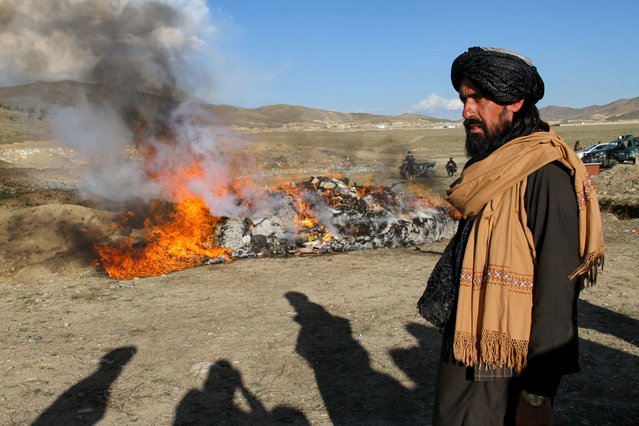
222	373
118	358
297	299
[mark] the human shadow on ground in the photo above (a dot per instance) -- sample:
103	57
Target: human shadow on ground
420	362
606	390
85	402
608	322
214	404
353	392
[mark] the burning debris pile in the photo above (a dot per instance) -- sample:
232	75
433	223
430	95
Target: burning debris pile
332	215
319	216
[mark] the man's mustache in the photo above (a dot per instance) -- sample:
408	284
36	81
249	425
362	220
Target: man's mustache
474	121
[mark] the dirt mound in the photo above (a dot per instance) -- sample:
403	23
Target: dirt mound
618	190
52	236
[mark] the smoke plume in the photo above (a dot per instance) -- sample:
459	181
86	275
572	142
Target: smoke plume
133	45
139	56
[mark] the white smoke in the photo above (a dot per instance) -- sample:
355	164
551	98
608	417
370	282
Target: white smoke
93	130
218	150
98	133
119	182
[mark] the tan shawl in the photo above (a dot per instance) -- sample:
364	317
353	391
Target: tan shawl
498	270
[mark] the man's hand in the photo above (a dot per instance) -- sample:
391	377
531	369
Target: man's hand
528	415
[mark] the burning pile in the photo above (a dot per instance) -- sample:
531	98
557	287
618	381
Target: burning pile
321	215
332	215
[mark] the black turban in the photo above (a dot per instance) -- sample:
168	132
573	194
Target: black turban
501	75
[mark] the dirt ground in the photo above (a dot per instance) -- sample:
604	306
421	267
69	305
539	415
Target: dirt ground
317	339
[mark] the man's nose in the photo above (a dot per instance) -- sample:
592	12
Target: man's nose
469	110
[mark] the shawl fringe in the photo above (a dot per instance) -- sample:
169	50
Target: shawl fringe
496	350
589	268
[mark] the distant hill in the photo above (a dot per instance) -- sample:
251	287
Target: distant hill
45	95
40	97
293	116
18	125
622	109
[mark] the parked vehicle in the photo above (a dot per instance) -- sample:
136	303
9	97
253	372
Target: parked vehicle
417	170
589	149
622	150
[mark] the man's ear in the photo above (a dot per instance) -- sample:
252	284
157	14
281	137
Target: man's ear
515	106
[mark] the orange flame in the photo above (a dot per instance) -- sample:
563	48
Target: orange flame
183	241
307	223
176	236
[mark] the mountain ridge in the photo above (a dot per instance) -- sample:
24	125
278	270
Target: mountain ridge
44	96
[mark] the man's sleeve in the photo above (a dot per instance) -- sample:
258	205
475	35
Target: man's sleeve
553	218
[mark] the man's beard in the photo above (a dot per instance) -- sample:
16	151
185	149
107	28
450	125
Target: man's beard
481	146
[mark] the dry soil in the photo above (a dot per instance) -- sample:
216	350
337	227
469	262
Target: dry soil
318	339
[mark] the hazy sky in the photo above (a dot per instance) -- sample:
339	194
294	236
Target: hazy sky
394	56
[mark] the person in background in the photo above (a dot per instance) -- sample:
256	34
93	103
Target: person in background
408	169
451	167
504	293
410	164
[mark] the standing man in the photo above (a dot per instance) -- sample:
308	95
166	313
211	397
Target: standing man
410	165
505	291
451	167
